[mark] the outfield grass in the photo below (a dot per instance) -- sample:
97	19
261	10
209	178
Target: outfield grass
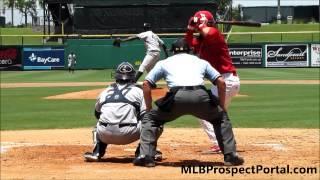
248	38
19	40
274	106
105	75
294	106
311	37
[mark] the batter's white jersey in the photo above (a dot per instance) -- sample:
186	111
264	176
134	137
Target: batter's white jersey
152	42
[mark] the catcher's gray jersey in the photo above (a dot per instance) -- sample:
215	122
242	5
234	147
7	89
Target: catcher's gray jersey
121	112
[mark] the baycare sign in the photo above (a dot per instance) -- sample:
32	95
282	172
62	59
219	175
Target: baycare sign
10	58
43	58
287	55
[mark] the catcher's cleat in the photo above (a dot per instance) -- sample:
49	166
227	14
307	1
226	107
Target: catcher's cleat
145	161
233	159
90	157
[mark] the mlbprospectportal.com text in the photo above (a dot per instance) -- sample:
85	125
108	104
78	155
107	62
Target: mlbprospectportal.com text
255	169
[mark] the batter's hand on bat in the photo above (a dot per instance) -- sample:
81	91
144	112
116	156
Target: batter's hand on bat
117	42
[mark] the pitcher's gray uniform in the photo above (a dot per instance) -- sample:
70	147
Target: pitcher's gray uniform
152	44
118	109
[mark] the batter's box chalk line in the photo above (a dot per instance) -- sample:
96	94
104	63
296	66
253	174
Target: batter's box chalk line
273	146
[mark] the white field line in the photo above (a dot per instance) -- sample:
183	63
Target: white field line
228	34
274	146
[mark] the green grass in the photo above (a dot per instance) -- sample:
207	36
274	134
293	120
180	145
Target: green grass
25	108
18	40
311	37
293	106
270	106
105	75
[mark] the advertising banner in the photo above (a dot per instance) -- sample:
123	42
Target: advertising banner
315	55
246	55
10	58
43	58
287	55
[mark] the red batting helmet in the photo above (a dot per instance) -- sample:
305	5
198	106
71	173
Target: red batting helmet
203	17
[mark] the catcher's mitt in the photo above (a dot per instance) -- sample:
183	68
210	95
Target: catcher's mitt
116	42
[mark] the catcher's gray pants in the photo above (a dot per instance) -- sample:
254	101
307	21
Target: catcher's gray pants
113	134
187	102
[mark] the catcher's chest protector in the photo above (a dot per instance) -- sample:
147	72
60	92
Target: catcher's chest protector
118	97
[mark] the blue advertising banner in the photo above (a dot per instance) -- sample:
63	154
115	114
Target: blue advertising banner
43	58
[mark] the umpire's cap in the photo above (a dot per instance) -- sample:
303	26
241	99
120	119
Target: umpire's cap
180	45
125	72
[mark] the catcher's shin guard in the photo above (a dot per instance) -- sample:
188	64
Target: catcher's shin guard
99	149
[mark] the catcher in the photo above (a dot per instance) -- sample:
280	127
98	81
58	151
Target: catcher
153	46
119	109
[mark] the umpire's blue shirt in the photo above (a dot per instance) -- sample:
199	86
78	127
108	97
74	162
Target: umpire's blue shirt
182	70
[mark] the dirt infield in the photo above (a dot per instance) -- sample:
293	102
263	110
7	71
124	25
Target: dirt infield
57	154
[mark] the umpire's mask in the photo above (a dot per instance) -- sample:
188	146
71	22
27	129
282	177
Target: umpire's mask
179	46
125	72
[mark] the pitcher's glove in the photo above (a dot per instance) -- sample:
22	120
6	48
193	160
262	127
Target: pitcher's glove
116	42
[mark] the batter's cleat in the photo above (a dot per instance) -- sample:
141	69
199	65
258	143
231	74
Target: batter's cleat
215	149
232	159
158	156
90	157
145	161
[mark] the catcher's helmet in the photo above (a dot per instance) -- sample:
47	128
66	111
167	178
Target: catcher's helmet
180	45
125	72
146	26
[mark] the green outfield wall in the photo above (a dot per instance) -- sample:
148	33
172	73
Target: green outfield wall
101	54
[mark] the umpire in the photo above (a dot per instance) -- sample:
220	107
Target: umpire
184	74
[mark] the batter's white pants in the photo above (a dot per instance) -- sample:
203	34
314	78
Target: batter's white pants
232	89
149	61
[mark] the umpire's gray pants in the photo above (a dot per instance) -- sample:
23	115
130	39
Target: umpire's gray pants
187	102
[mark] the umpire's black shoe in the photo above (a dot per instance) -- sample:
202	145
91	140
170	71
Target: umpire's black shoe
145	161
158	156
232	159
90	157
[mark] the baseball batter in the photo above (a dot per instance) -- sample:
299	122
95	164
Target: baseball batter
119	109
153	46
187	95
211	46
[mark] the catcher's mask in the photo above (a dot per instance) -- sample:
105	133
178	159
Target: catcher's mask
180	45
146	26
125	72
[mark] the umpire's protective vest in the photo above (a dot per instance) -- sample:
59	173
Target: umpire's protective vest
119	97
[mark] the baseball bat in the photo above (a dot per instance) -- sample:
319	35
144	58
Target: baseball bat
241	23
